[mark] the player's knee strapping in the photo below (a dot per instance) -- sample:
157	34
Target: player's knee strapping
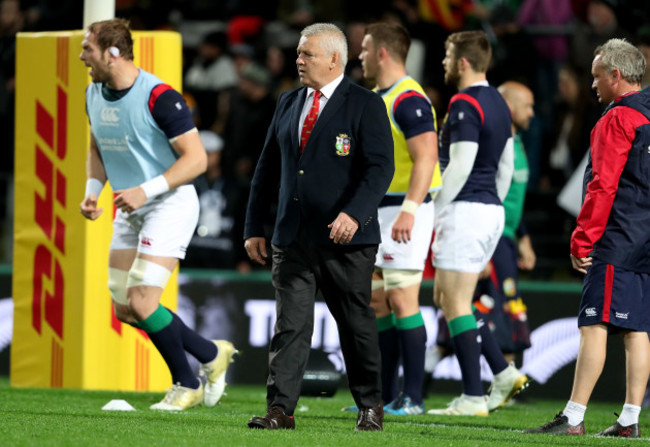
401	279
117	285
147	273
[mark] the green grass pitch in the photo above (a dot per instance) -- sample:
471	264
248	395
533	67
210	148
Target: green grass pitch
55	417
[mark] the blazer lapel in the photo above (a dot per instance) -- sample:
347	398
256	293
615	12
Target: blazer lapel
296	108
332	107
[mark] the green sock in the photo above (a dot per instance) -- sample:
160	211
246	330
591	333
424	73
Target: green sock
157	321
411	322
461	324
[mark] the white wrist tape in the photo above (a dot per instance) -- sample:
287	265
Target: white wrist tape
410	206
155	186
93	186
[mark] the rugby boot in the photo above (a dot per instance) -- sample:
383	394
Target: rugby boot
464	406
179	398
404	406
506	384
559	426
620	431
215	372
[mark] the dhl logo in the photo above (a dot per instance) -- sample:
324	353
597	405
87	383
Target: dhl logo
51	148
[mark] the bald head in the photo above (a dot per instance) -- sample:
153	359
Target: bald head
521	101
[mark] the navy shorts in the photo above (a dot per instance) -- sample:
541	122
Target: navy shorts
617	297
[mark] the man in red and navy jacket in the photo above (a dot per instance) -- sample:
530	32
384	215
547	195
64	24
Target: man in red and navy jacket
611	243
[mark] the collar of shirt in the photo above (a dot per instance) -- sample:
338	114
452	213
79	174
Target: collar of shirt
484	83
327	90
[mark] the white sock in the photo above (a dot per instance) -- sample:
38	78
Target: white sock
575	412
629	415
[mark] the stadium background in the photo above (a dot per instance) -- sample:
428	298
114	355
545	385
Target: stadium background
551	294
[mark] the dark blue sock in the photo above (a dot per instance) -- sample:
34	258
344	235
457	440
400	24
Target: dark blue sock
468	353
202	349
490	348
389	348
413	344
165	333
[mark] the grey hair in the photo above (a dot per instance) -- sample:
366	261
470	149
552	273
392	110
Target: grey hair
333	41
622	55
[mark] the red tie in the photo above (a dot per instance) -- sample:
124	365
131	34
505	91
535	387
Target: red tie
310	120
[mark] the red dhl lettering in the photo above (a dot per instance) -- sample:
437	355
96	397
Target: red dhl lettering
48	280
44	263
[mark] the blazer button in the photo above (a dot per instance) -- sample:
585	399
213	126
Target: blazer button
301	172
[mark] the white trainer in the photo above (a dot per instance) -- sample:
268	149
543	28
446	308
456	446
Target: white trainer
179	398
215	372
506	384
465	406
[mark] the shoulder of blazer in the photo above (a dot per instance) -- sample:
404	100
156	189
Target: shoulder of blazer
361	93
290	95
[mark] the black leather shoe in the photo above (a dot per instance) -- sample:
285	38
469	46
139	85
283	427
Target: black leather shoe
275	419
370	419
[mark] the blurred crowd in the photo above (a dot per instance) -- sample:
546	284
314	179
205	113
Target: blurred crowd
239	56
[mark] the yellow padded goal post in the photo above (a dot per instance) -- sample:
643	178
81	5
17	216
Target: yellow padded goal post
65	333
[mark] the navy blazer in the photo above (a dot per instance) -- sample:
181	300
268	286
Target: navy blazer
347	165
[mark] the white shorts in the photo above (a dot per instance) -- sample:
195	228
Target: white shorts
161	227
413	254
467	234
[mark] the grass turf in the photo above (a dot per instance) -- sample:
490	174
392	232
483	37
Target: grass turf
55	417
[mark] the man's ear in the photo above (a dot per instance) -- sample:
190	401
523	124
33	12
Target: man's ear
383	53
336	59
463	64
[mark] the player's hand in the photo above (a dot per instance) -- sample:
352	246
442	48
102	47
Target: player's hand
256	249
527	258
129	200
343	228
580	264
402	227
89	208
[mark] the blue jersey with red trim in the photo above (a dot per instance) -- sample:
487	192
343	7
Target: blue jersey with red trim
477	114
614	220
413	114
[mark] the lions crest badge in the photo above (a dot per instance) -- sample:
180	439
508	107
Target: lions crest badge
342	145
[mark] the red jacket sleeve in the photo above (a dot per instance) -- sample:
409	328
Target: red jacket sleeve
611	141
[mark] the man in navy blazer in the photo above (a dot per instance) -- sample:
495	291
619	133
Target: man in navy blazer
331	179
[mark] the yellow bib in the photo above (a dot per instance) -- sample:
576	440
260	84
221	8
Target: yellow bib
403	161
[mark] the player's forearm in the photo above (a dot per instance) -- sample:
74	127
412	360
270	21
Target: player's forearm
421	175
423	149
184	170
505	170
461	161
191	163
94	166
